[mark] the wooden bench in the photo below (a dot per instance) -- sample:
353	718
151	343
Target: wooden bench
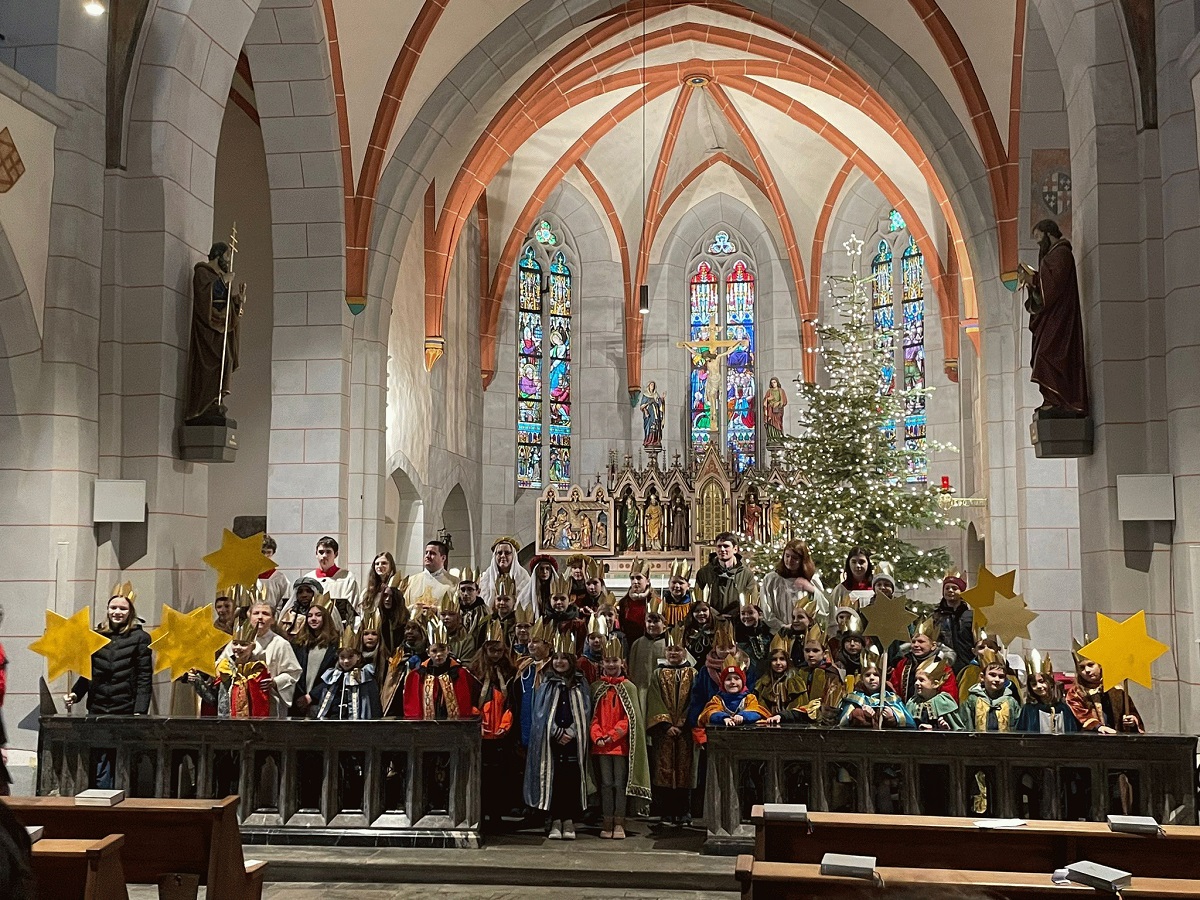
804	881
80	869
162	837
1037	846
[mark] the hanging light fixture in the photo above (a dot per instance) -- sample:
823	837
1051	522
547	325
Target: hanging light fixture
94	8
643	289
644	299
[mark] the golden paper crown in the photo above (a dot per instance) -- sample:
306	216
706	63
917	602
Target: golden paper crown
954	572
564	642
469	575
324	603
351	639
592	570
506	586
808	607
883	569
815	635
242	597
1037	663
639	566
495	633
704	594
597	624
1076	655
731	662
398	582
244	631
871	659
989	657
935	667
780	644
543	631
371	621
560	585
723	634
123	589
435	631
523	615
750	597
614	649
656	606
854	626
677	636
847	603
681	568
927	626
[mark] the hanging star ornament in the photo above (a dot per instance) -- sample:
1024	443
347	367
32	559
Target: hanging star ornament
888	619
1124	650
853	246
1007	618
186	641
239	561
68	644
988	587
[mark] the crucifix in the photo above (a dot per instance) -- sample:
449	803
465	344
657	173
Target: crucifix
707	353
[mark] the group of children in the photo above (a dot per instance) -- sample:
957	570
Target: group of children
589	695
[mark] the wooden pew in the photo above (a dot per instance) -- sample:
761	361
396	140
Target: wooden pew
1037	846
804	881
80	869
162	837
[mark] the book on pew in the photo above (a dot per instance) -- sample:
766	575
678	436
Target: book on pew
848	866
1094	875
1134	825
98	797
35	833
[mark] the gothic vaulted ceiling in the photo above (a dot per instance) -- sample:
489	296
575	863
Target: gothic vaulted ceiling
654	106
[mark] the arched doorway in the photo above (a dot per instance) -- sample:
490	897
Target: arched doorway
456	519
405	520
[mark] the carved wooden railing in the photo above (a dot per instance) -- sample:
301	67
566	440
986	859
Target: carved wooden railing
1069	777
376	783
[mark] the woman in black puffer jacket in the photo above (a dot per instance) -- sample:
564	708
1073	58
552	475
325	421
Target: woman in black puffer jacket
121	670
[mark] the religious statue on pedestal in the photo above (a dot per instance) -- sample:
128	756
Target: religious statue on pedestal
774	403
653	407
213	346
1056	322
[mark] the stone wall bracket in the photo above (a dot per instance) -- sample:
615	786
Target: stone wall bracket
1061	438
207	443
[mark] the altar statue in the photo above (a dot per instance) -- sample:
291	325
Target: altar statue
774	403
653	407
654	523
213	345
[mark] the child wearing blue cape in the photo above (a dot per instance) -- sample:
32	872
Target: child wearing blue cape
1044	710
863	705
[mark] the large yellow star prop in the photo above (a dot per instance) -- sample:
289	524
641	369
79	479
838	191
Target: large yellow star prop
888	619
988	586
186	641
1124	650
1006	617
239	561
68	644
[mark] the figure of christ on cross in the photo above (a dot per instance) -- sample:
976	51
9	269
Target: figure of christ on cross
707	353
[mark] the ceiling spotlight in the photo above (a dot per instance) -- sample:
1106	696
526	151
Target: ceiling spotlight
94	8
644	299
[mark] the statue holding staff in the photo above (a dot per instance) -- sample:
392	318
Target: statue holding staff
213	345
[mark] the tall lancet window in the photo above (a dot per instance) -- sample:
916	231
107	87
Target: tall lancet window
906	355
544	307
722	387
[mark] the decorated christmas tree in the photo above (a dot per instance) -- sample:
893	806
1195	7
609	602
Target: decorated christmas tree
851	471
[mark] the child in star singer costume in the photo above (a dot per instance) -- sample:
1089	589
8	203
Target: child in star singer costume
347	691
618	743
733	704
1096	709
556	763
439	688
1044	711
931	707
864	703
666	722
780	686
990	705
241	689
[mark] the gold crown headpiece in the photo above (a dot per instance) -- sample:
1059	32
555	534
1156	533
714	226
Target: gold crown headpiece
560	585
506	586
809	607
731	662
448	603
399	583
564	642
350	639
854	626
1076	654
639	566
244	632
124	589
371	621
847	604
884	570
927	626
989	657
495	633
780	644
677	636
614	649
681	568
871	659
815	635
523	615
242	596
1037	663
435	631
935	667
656	605
469	575
704	594
592	569
723	634
597	625
543	631
324	603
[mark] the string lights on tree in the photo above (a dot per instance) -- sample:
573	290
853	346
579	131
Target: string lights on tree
851	472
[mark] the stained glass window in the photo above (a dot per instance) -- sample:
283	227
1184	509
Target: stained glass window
740	395
722	245
543	362
529	372
705	379
913	275
895	222
884	312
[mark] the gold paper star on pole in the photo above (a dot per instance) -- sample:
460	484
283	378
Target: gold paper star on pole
988	587
1006	617
186	641
239	561
68	644
1124	650
888	619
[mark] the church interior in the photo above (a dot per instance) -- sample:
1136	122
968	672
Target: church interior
529	270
